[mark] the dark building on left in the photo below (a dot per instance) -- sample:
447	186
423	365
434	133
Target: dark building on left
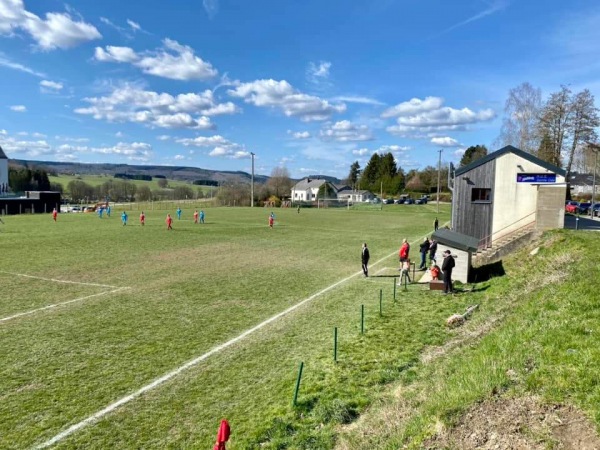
31	202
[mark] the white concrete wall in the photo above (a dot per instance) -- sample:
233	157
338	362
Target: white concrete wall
514	204
462	262
3	171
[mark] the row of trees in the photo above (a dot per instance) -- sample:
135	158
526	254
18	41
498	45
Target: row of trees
557	130
125	191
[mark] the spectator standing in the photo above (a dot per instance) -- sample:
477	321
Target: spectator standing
54	214
169	221
424	249
196	216
435	224
404	250
178	212
124	218
447	266
201	216
365	259
142	219
432	250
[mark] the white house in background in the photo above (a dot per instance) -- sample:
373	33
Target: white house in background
307	189
351	195
3	169
581	183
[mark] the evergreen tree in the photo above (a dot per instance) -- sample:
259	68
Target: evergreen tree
473	153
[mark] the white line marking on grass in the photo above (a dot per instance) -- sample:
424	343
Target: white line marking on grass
56	305
56	280
103	412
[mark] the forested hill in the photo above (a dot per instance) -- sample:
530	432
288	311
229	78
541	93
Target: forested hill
170	172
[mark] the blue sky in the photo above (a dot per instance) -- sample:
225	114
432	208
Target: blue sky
310	85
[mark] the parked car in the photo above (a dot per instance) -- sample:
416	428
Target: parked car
389	201
75	209
595	209
584	207
421	201
572	207
409	201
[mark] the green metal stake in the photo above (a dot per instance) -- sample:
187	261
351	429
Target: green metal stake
335	344
380	302
298	384
395	280
362	319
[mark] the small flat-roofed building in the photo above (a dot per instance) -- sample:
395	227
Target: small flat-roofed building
461	247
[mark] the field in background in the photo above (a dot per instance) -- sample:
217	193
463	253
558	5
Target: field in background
159	299
97	180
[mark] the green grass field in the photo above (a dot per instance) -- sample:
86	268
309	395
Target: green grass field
112	336
143	302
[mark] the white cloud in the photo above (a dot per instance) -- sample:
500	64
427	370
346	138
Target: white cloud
281	94
135	151
345	131
318	72
211	7
134	25
179	157
48	86
413	106
57	30
115	54
70	139
163	137
299	134
5	62
493	7
173	61
416	117
221	147
357	99
18	108
132	104
361	151
393	148
119	134
445	141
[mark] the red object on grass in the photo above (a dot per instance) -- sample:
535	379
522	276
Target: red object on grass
222	435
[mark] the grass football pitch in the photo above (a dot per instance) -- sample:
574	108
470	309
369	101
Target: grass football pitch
92	312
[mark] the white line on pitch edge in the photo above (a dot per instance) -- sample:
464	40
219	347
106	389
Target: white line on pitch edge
57	281
189	364
98	415
56	305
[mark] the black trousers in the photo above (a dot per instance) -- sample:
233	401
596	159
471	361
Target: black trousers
365	268
447	281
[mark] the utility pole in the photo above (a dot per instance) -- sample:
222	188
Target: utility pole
439	173
252	182
595	148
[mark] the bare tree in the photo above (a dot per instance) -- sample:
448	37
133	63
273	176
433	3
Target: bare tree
280	183
583	120
555	121
521	112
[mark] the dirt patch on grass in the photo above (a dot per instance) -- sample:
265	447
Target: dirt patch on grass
518	423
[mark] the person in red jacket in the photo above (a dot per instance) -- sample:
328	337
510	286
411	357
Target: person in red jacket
169	222
142	219
54	214
271	221
404	251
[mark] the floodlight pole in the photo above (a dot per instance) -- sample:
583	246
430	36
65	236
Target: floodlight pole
438	183
252	182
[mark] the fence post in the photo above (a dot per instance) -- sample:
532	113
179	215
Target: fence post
381	302
298	384
394	280
335	344
362	319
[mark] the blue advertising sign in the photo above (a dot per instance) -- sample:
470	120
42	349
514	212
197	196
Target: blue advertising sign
536	178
